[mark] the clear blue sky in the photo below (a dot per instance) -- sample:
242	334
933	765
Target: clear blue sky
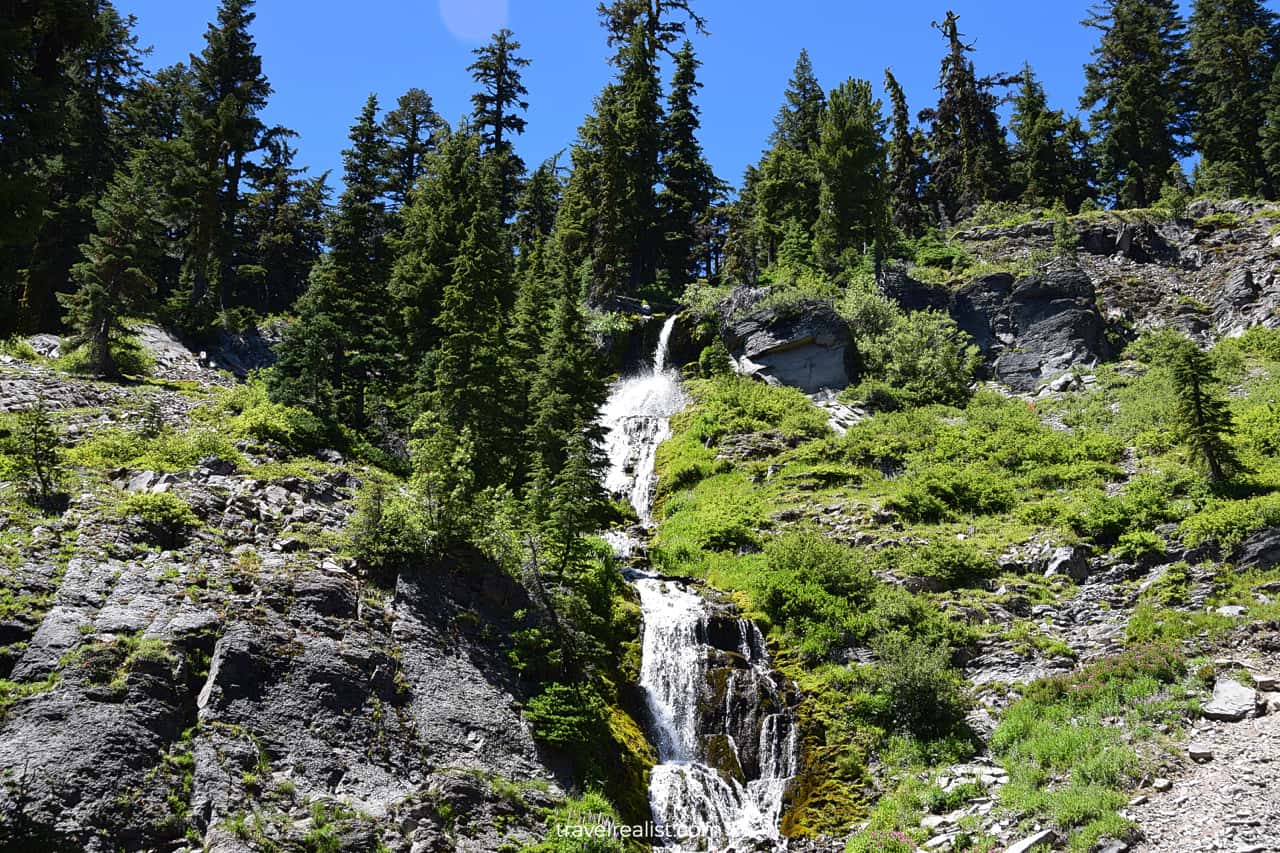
323	57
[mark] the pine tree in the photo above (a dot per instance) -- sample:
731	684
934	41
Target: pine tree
496	110
853	215
798	123
79	165
344	341
1047	163
471	388
282	228
906	170
689	184
1202	420
565	397
412	131
1233	51
1136	88
39	455
967	150
111	278
224	130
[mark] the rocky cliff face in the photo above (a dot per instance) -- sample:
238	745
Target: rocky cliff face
242	685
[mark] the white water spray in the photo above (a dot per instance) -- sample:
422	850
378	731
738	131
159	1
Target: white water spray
696	805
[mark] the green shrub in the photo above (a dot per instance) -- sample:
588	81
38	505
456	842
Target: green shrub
388	531
20	348
168	450
950	561
1137	544
584	824
731	405
129	356
1229	522
714	360
924	695
568	717
880	841
922	358
940	492
166	515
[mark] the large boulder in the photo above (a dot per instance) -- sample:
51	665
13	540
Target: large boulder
806	345
1259	551
1035	328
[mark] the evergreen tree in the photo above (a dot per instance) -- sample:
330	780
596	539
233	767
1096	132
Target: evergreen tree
967	150
81	162
798	123
471	387
282	228
111	278
1048	167
223	131
412	131
344	341
1270	134
565	397
689	184
39	455
432	233
906	170
496	110
1136	88
850	154
37	40
536	214
788	184
1202	420
1232	55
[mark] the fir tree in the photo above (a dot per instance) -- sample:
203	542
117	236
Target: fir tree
1270	134
1233	51
111	278
39	454
282	227
565	396
1202	420
496	110
1136	89
343	342
905	166
38	40
850	154
967	150
412	131
225	129
471	388
536	213
78	166
1048	165
689	184
787	185
798	123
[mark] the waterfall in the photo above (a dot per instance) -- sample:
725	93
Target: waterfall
725	737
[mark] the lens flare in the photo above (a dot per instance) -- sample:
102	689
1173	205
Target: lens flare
473	20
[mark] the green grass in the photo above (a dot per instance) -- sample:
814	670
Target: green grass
1067	756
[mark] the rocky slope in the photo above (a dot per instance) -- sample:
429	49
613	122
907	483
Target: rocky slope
239	686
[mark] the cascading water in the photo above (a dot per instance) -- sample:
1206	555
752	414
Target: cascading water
725	737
